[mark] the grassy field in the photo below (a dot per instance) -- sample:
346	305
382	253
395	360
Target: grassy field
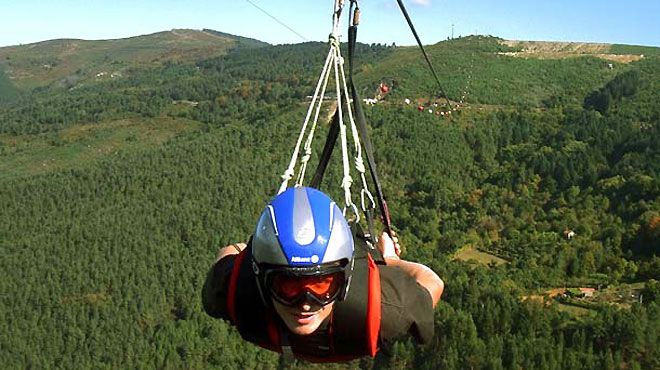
575	310
79	145
468	253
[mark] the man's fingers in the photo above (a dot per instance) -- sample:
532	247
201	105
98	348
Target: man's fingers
395	243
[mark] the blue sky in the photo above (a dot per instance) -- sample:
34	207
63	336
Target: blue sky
625	21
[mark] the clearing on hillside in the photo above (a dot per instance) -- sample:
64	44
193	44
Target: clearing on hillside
469	252
561	50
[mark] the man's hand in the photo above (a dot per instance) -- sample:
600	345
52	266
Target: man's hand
389	247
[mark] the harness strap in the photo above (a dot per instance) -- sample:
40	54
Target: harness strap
254	321
373	308
368	148
358	316
285	343
330	141
233	281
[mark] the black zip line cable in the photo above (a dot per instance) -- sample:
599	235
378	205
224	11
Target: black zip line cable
419	42
277	20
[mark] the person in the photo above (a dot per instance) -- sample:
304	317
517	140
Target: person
307	284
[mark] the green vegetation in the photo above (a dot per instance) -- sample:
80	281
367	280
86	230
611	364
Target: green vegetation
105	250
81	145
622	86
494	78
70	62
634	49
575	310
8	91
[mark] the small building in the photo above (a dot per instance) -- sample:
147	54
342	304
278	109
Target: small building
569	234
587	292
579	292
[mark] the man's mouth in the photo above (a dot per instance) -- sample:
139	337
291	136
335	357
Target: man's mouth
305	317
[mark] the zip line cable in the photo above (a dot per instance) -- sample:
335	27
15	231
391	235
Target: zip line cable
277	20
419	42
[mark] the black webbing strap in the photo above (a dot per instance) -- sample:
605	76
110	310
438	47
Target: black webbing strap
419	42
368	148
330	141
362	127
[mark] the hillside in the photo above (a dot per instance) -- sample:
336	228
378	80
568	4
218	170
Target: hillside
116	195
497	72
67	62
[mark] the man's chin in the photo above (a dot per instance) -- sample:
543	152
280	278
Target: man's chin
303	330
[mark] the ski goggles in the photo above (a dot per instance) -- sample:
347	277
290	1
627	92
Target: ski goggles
291	288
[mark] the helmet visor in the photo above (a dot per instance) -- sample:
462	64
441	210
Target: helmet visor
291	288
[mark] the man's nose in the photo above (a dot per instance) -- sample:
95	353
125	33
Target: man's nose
308	303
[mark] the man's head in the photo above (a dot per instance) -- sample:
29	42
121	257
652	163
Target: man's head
302	254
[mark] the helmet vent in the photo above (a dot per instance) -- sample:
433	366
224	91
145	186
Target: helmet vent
303	219
272	217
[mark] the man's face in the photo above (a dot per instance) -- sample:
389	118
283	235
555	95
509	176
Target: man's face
305	318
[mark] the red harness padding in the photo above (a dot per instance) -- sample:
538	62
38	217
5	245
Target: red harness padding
373	308
233	281
355	325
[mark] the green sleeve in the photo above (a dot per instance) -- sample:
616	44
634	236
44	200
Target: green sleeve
214	293
406	307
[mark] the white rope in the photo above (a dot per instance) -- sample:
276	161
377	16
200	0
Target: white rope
334	62
289	172
310	136
346	181
359	161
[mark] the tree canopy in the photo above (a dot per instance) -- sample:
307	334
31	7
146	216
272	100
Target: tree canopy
103	261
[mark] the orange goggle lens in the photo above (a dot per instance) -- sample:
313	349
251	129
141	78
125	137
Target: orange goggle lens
291	289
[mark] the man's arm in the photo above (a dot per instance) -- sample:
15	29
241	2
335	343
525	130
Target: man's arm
422	274
214	293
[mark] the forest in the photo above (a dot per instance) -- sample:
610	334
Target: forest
103	260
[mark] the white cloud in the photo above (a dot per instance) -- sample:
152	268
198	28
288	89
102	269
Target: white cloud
422	2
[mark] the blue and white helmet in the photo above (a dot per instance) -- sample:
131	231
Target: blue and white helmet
302	229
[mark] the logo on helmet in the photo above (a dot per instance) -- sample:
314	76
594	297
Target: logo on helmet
313	259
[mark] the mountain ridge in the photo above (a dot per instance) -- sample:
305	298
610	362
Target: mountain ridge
68	60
